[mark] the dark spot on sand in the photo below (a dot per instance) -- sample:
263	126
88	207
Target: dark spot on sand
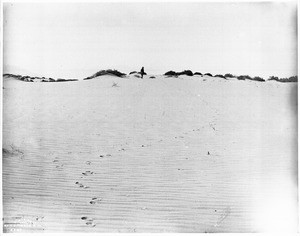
95	200
88	173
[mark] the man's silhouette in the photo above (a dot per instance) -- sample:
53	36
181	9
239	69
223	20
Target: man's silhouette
142	72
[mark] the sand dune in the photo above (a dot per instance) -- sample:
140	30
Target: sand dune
187	154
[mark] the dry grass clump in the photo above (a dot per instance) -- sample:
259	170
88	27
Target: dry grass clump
284	80
62	80
186	72
244	77
106	72
257	78
220	76
13	151
247	77
229	75
27	78
175	74
171	73
115	84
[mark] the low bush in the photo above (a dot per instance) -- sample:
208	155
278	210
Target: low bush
284	80
109	71
293	79
65	80
257	78
208	74
171	73
106	72
229	75
186	72
244	77
198	73
273	78
220	76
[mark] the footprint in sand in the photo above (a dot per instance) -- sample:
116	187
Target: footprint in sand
95	200
88	221
88	173
81	185
225	213
107	155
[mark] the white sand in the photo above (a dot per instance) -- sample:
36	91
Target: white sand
155	174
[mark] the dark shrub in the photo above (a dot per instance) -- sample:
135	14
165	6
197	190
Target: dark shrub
208	74
23	78
17	76
48	80
229	75
244	77
152	77
65	80
61	80
220	76
293	79
171	73
198	73
132	72
257	78
284	80
273	78
107	72
290	79
186	72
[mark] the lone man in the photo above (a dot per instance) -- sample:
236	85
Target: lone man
142	72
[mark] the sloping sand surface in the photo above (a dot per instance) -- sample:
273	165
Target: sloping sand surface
182	154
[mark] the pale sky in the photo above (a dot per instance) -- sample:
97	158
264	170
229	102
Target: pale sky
78	39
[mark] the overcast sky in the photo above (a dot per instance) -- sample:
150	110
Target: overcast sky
78	39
